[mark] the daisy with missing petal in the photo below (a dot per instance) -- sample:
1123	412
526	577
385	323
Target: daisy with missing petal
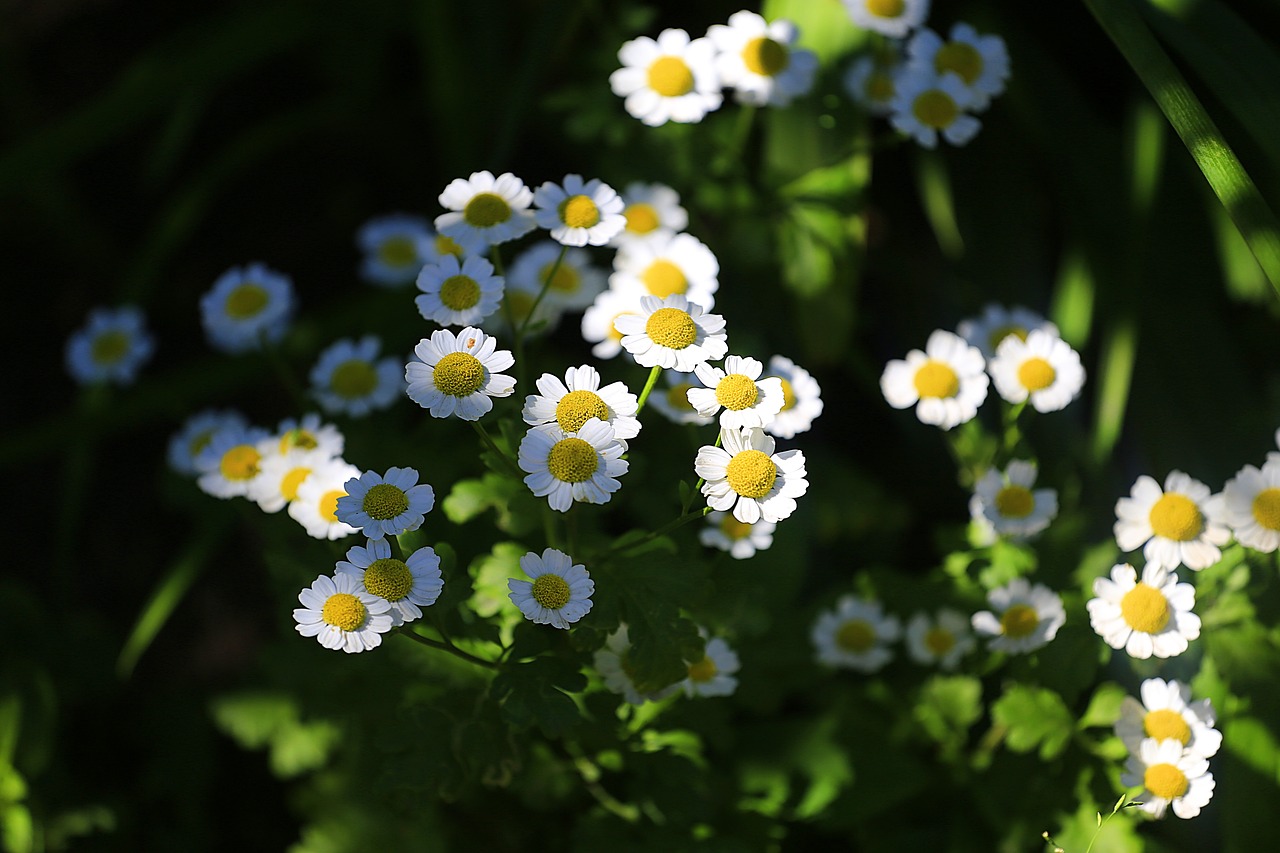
760	60
737	392
282	474
670	79
316	504
980	61
232	460
340	615
946	383
457	374
485	211
349	377
576	283
672	333
309	434
1166	712
714	674
598	321
579	213
406	585
1022	618
1251	506
856	635
1181	525
673	400
1145	618
196	433
940	640
872	81
566	467
745	475
458	293
386	504
928	106
988	330
740	539
247	307
395	247
650	210
893	18
1171	777
1043	368
111	347
1010	504
666	265
571	403
559	593
613	662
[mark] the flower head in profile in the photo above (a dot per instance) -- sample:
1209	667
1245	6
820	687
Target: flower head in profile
996	322
395	247
1179	525
458	293
740	539
386	504
578	212
1150	617
801	398
737	393
746	477
650	210
351	378
672	333
760	60
1171	776
947	382
1009	503
980	61
1043	369
247	307
613	662
715	673
940	640
111	347
341	615
927	106
856	635
893	18
458	374
485	211
558	592
406	585
571	403
1022	618
1252	506
672	78
568	467
1166	712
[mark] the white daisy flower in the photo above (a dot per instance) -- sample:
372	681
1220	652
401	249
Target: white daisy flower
349	377
872	81
485	211
246	308
1251	502
340	615
670	79
576	283
980	61
558	595
232	460
571	403
316	506
598	321
579	213
406	585
458	293
310	433
650	210
1145	618
740	539
893	18
801	398
1171	776
1183	525
1022	618
457	374
1009	503
946	383
737	392
673	400
386	504
667	264
714	674
395	247
856	635
1166	712
940	640
745	475
565	467
1043	368
927	106
196	432
760	60
111	347
282	474
988	330
611	661
672	333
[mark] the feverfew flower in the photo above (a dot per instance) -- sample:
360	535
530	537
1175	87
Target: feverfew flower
1145	618
940	640
988	330
759	60
566	467
231	461
740	539
946	383
737	392
745	475
340	615
571	403
579	213
672	333
673	401
386	504
611	661
111	347
856	635
395	247
1166	712
871	81
558	595
246	308
598	321
316	504
196	432
406	585
576	283
282	474
458	293
1008	502
349	377
665	265
1043	368
1181	525
893	18
485	210
670	79
801	398
714	674
457	374
309	434
981	62
1171	776
927	105
650	210
1252	506
1022	617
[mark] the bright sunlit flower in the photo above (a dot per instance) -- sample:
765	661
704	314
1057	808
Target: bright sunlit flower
740	539
1166	712
282	473
395	247
559	593
316	504
801	398
598	328
349	377
927	106
309	433
111	346
247	307
737	393
579	213
406	585
458	293
576	283
1171	776
872	81
980	61
340	615
1181	525
650	210
714	674
1145	618
760	60
988	330
386	504
856	635
457	374
1252	506
566	467
1043	368
893	18
946	383
1010	504
1022	618
940	640
485	210
196	432
613	663
670	79
232	460
744	475
671	399
666	264
571	403
672	333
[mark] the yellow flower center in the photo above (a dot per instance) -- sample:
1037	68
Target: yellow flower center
353	379
702	671
939	641
1166	725
299	438
388	578
1176	517
934	108
109	347
398	251
788	395
641	218
733	528
551	591
344	611
879	87
961	58
578	407
751	473
887	8
1036	374
614	334
1145	609
678	397
1165	781
289	484
485	210
572	460
764	56
240	462
1020	620
328	505
246	301
1015	502
937	379
566	279
670	77
459	292
448	246
663	278
671	328
579	211
736	392
384	502
1266	508
998	335
458	374
856	636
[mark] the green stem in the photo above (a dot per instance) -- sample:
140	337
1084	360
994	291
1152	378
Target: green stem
661	531
546	285
286	377
406	631
497	451
648	386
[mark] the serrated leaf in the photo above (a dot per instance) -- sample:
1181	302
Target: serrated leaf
948	706
1034	718
1104	707
253	719
490	574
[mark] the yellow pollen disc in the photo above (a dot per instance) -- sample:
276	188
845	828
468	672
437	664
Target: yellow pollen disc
670	77
246	301
566	279
939	641
1015	502
299	438
856	636
1165	781
702	671
1003	332
751	473
486	210
388	578
459	292
765	57
458	374
328	506
1145	609
109	347
663	278
678	397
960	57
1266	508
641	218
1036	374
448	246
572	460
887	8
671	328
736	392
1020	620
551	591
578	407
733	528
579	211
879	87
344	611
1166	725
240	462
289	485
937	379
934	108
398	251
353	379
1176	517
384	502
788	395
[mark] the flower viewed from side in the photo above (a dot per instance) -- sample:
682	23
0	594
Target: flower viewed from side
458	293
458	374
980	61
565	467
1145	618
714	675
672	78
672	333
1043	368
349	377
247	307
316	504
672	400
1022	618
801	398
579	213
1166	712
485	211
871	81
613	663
341	615
111	347
406	585
738	393
395	247
651	210
946	383
745	476
196	433
988	330
559	593
856	635
1009	503
386	504
893	18
759	60
740	539
927	106
940	640
575	284
571	403
599	321
665	265
1171	776
231	461
1181	525
1252	506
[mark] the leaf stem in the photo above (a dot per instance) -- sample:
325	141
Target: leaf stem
446	646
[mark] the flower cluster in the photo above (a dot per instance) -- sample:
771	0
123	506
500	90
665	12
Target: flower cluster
1170	741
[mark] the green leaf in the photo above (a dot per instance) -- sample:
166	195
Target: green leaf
301	747
948	706
1104	707
469	499
1034	718
253	719
490	573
